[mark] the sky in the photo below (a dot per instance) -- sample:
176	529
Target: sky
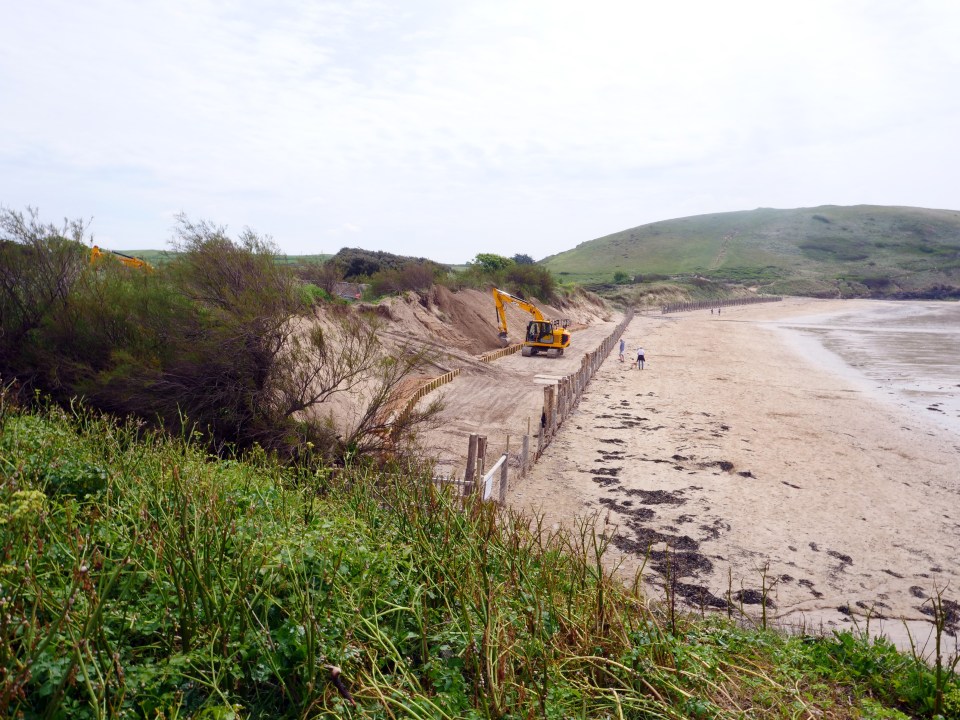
447	128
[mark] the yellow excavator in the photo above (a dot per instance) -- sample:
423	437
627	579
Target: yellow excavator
542	334
129	260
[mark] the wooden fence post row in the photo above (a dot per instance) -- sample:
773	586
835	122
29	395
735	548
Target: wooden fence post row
423	391
561	400
708	304
497	354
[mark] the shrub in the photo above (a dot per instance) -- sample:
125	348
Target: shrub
39	265
357	264
412	276
324	275
531	280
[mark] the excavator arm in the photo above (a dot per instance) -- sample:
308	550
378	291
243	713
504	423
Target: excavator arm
499	298
129	260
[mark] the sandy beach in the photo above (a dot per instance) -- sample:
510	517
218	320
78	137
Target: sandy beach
765	469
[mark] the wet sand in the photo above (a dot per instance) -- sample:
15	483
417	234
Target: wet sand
906	352
757	465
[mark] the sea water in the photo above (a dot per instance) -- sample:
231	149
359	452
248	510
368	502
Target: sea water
907	352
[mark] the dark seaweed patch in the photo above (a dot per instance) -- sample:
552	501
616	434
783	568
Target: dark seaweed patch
845	559
628	510
753	597
657	497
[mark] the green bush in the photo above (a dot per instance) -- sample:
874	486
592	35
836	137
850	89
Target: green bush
530	281
357	265
411	276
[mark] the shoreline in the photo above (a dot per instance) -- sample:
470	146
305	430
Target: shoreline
754	461
836	348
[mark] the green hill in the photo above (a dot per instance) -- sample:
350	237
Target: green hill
864	250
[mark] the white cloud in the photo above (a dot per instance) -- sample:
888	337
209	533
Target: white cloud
446	129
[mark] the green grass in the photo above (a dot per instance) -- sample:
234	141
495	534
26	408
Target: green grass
303	259
912	248
143	578
161	257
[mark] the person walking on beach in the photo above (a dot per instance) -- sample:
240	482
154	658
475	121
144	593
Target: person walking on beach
641	358
623	347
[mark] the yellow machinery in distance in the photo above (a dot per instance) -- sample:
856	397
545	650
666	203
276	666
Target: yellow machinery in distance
96	253
542	334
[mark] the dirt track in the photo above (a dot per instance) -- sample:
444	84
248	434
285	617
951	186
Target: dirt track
502	398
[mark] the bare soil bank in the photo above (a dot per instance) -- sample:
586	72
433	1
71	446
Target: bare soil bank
751	461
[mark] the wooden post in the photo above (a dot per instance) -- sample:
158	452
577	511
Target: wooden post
471	472
481	456
561	402
549	393
503	476
525	455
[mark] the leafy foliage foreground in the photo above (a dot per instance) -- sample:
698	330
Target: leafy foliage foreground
140	577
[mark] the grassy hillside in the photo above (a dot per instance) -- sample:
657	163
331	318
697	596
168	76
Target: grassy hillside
864	250
143	578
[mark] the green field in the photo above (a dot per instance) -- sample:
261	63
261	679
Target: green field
161	257
831	250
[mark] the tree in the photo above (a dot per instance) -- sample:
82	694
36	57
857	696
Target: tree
523	260
39	265
324	275
491	262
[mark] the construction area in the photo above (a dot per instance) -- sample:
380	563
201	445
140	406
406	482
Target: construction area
488	390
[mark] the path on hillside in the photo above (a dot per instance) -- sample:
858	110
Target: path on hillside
504	397
722	253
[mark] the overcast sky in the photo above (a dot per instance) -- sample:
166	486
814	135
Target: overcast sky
444	128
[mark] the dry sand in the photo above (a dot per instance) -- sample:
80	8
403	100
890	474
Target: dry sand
750	458
502	400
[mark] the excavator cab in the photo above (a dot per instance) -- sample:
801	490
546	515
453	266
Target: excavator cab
545	335
540	332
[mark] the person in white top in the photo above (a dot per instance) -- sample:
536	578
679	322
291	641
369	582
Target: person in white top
641	358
